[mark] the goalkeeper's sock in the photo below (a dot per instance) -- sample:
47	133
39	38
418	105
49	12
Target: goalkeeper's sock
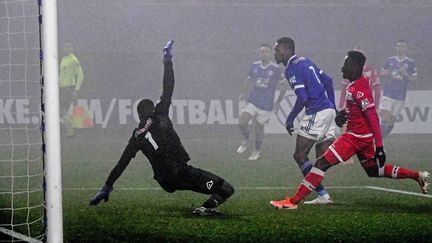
397	172
216	199
305	168
310	182
244	131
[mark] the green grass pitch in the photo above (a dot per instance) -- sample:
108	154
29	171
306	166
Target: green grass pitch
138	211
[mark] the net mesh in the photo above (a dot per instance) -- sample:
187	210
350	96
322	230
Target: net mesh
21	157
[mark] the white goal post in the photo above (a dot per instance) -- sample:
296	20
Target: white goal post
30	153
54	209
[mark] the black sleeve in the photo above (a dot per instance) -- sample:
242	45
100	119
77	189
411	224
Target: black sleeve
128	153
162	108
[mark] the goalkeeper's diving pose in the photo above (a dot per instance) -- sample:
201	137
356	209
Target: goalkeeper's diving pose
159	142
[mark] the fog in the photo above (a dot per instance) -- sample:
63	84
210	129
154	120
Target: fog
119	43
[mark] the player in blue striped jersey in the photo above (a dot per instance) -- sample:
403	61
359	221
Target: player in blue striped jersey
263	79
315	93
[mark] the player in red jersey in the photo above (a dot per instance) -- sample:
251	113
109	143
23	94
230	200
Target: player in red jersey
363	138
370	72
374	82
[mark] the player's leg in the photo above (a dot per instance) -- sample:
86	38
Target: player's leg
343	130
262	117
197	180
259	133
317	129
304	144
245	116
66	99
387	115
387	122
309	184
301	156
371	167
323	195
342	149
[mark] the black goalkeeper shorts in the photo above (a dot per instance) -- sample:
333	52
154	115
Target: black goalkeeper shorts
194	179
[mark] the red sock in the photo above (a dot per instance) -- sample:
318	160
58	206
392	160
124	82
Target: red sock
310	182
396	172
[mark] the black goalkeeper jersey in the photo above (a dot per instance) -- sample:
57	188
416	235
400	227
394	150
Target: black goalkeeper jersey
156	138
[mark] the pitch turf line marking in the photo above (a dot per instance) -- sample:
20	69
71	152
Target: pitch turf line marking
261	188
237	188
398	191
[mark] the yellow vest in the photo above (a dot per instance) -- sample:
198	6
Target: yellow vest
71	73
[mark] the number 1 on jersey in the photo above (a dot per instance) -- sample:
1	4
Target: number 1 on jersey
151	140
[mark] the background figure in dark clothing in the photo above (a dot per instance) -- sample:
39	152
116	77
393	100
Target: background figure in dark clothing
157	139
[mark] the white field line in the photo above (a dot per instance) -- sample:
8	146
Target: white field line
237	188
398	191
259	188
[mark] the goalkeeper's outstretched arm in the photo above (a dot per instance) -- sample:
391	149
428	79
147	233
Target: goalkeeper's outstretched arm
129	153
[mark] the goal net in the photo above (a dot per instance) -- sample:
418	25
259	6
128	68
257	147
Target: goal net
21	141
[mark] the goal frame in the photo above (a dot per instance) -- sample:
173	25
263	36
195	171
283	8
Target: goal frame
49	39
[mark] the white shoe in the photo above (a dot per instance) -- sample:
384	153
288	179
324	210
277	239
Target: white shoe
255	155
422	177
243	146
320	200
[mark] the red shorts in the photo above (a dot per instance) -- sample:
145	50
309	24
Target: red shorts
349	144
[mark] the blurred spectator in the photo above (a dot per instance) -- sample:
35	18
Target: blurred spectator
71	79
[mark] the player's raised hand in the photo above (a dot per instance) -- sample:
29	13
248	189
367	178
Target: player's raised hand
167	51
103	194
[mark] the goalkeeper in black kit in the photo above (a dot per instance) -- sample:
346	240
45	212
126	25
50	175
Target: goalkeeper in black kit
157	139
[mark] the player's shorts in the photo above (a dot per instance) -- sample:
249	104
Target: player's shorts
194	179
319	126
349	144
391	105
262	117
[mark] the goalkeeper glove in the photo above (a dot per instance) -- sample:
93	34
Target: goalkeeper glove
103	194
341	118
380	156
167	52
